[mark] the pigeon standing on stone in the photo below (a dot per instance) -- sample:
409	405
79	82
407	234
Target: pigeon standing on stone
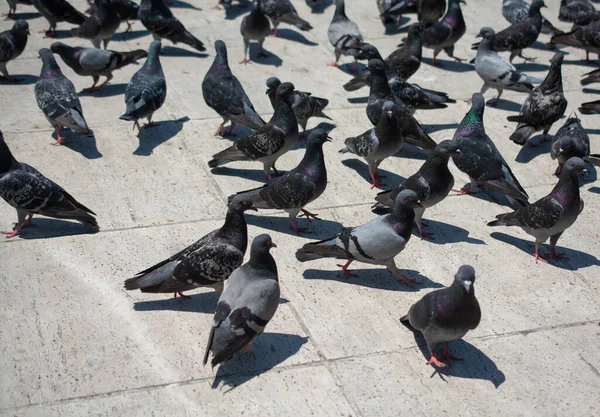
158	19
591	77
591	107
515	11
95	62
344	35
30	193
379	142
269	142
224	94
296	189
585	37
206	263
255	27
570	140
428	11
147	89
496	72
12	44
432	183
445	33
247	305
283	11
578	12
447	314
101	25
544	106
550	216
56	97
480	159
304	104
127	10
12	8
55	11
391	11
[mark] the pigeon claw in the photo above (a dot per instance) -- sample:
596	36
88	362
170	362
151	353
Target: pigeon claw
334	64
436	362
424	234
345	271
539	257
9	16
12	233
557	255
245	61
182	295
463	191
308	215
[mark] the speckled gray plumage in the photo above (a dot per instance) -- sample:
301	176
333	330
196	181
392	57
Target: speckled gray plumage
569	141
12	44
283	11
344	35
101	25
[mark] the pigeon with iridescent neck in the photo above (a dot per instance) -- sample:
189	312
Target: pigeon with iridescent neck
344	35
444	34
570	140
12	44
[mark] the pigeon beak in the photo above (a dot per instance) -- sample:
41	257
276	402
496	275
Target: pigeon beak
253	208
468	285
329	139
419	204
390	113
273	245
27	31
267	92
479	35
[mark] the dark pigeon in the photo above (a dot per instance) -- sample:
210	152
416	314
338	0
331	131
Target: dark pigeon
255	27
428	11
591	107
344	35
570	140
100	26
445	33
283	11
578	12
127	10
515	11
12	8
585	37
591	77
391	11
12	44
55	11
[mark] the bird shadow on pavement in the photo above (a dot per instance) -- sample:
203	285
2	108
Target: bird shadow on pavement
203	302
529	153
505	105
376	278
358	100
151	138
581	62
444	233
446	65
595	190
45	228
532	67
257	175
318	7
23	79
292	35
234	11
175	51
577	259
431	128
178	4
271	59
268	351
85	145
590	90
128	36
27	16
390	179
109	91
317	228
412	152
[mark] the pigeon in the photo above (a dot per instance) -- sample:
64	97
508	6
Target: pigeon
446	315
226	4
12	8
578	12
515	11
12	44
158	19
391	11
521	35
206	263
550	216
376	242
269	142
255	26
496	72
428	11
445	33
127	10
95	62
380	92
591	107
570	140
247	305
344	35
584	37
55	11
28	191
591	77
101	25
224	94
379	142
297	188
304	104
480	159
405	60
147	89
432	183
283	11
56	97
544	105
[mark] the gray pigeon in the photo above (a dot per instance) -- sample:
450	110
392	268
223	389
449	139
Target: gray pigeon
206	263
480	159
591	107
95	62
446	315
578	12
255	27
544	106
297	188
432	183
591	77
550	216
147	89
269	142
29	192
379	142
56	97
101	25
224	94
12	44
584	37
304	104
376	242
158	19
247	305
496	72
283	11
570	140
12	8
344	35
445	33
55	11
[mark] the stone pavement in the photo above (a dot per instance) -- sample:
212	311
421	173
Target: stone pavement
75	343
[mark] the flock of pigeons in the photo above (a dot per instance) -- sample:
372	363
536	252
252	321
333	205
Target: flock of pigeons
251	296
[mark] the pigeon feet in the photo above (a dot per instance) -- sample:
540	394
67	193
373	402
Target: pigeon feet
299	229
408	281
539	257
129	29
245	61
223	131
59	139
48	33
334	64
447	356
557	255
9	16
150	124
182	295
308	215
458	59
463	191
469	101
274	33
92	89
13	233
545	138
424	234
347	273
435	361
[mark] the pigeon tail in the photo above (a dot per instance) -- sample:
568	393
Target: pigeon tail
192	41
228	155
523	132
295	20
358	82
130	57
151	279
321	249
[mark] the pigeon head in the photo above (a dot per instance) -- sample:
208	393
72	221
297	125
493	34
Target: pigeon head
574	166
241	203
387	110
153	52
285	91
221	56
447	148
60	48
407	198
536	6
465	277
376	66
49	66
368	52
416	29
486	33
472	123
318	137
557	59
340	9
272	84
21	26
260	258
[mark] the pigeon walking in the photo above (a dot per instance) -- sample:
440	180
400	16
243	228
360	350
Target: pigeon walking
247	305
206	263
224	94
584	37
544	106
12	44
30	193
55	11
428	11
391	11
344	35
578	12
376	242
127	10
95	62
550	216
255	27
12	8
283	11
591	77
432	183
515	11
269	142
570	140
446	315
101	25
444	34
56	97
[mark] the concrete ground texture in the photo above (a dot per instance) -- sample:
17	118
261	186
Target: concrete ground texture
74	342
